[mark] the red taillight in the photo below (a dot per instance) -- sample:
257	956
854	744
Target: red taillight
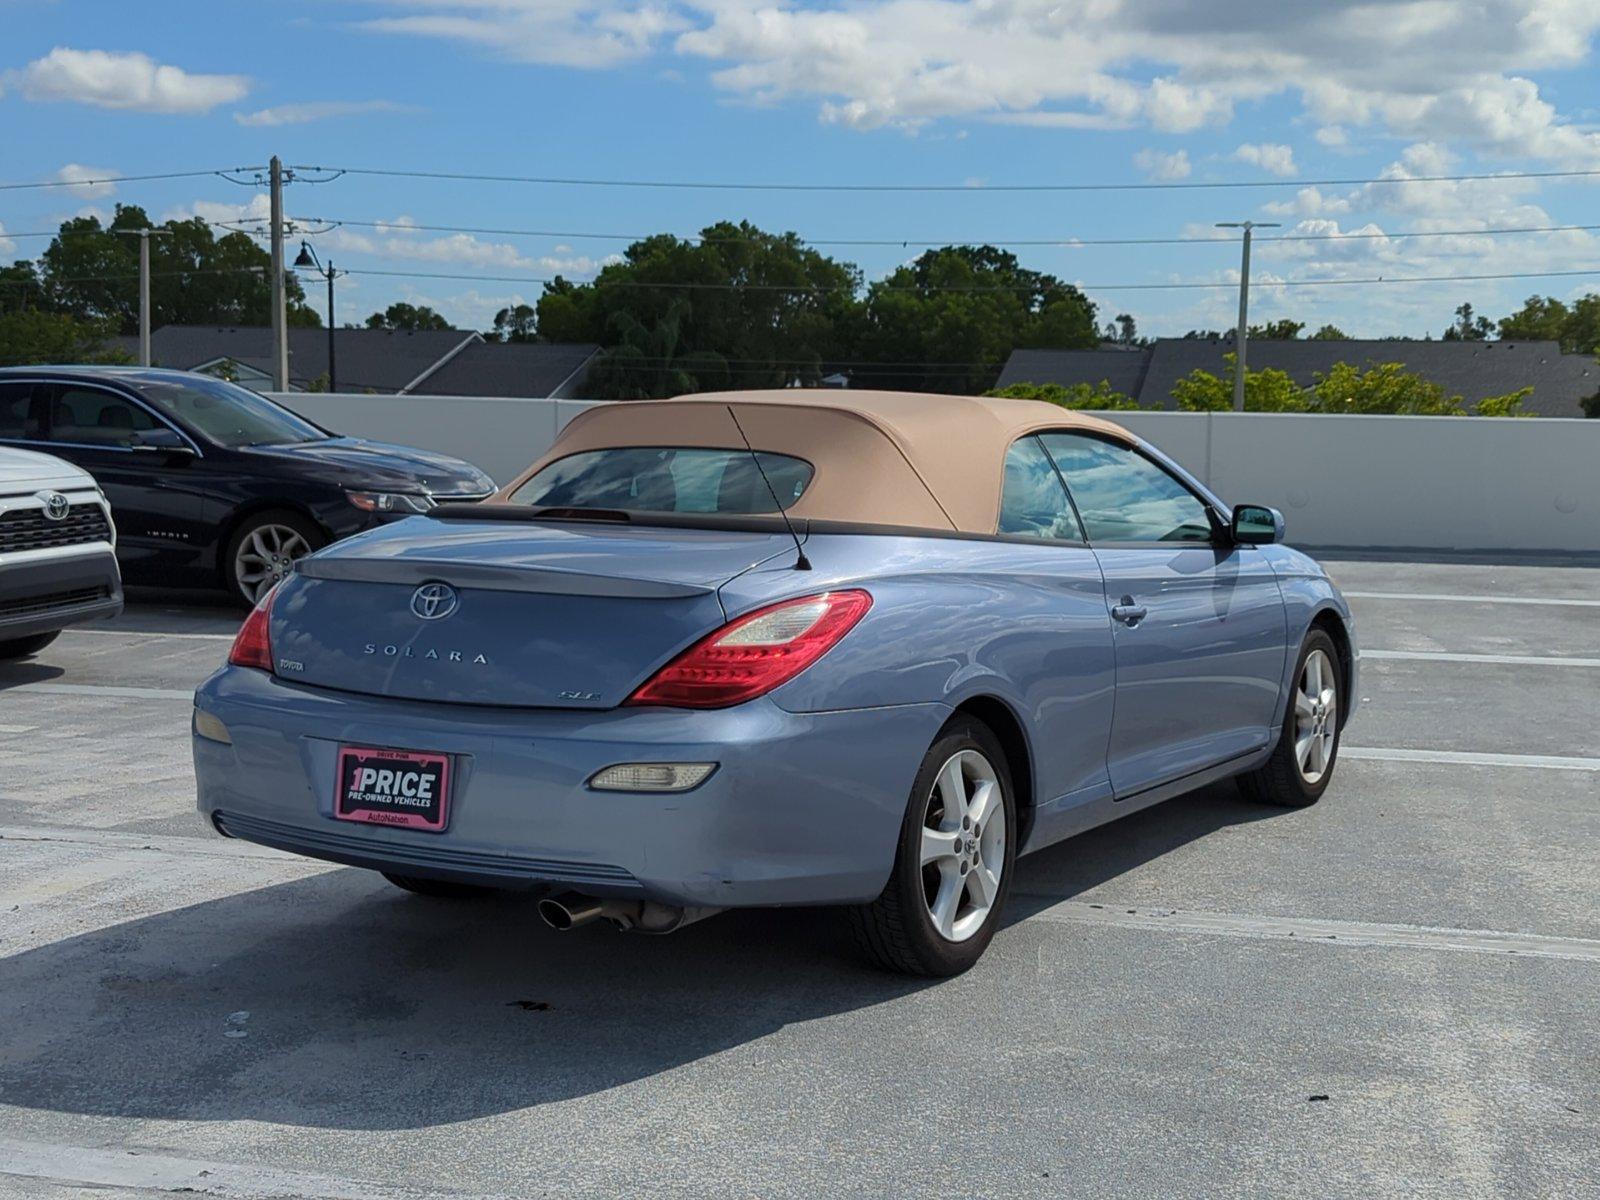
749	657
252	646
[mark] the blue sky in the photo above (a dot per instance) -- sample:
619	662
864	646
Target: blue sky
983	92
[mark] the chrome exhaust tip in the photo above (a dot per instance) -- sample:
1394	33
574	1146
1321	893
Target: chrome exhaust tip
569	911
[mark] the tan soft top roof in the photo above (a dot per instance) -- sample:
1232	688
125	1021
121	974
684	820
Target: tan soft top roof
889	458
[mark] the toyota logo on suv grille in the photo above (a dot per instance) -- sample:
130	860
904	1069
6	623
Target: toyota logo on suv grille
433	601
56	506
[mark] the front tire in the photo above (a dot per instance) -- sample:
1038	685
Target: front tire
22	647
1301	766
264	549
952	869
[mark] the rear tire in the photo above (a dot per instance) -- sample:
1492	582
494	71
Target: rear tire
22	647
1301	766
953	866
264	549
439	889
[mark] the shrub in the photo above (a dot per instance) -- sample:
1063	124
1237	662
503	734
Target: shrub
1100	397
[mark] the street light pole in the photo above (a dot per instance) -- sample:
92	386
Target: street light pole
1242	336
307	261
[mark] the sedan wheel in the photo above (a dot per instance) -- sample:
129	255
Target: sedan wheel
1316	717
264	550
963	846
1301	765
952	870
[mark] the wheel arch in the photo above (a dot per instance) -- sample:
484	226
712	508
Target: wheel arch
1332	623
998	717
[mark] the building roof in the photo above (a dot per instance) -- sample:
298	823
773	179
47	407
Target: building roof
512	369
891	458
455	362
1473	370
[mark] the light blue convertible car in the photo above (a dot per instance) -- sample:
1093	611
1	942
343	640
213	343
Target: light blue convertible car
780	648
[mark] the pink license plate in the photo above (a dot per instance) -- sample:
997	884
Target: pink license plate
393	787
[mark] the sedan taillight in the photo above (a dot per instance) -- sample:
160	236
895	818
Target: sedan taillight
757	652
252	645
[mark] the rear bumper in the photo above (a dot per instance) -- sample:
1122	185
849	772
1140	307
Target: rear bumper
49	593
803	809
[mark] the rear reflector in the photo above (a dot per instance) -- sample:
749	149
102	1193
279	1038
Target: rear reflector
252	646
757	652
651	777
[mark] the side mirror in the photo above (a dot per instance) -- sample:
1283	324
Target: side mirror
162	441
1256	525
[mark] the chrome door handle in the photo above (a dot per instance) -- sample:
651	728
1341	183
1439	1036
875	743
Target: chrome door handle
1129	613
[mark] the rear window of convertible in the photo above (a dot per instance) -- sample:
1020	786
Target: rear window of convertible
669	479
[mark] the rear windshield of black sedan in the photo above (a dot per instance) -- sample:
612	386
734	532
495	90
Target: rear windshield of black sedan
226	413
669	479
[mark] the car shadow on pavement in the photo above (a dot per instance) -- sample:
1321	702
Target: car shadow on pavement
336	1001
18	672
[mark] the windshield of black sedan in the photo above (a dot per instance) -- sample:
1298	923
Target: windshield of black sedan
669	479
227	414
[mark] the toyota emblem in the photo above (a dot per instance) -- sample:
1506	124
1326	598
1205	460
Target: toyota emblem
56	506
433	601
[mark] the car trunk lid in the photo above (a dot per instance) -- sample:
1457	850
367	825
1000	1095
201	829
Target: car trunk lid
547	614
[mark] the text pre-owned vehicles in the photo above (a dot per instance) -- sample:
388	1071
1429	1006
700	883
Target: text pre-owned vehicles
212	483
58	561
830	648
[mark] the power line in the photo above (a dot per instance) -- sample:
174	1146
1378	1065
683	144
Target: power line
105	179
1145	186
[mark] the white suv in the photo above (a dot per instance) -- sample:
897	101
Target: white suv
58	562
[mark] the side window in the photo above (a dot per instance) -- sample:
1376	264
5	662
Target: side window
19	418
1123	496
1032	502
93	417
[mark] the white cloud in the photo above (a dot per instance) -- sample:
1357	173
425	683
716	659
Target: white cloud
568	33
1272	157
1333	136
318	110
79	177
122	80
1157	165
7	246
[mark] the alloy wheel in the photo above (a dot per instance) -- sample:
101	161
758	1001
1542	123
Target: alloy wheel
1316	716
963	845
265	557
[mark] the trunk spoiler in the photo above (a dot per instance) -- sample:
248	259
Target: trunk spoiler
496	577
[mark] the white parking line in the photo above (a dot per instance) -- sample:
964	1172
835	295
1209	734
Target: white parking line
161	633
100	689
1514	660
1468	758
1340	933
1541	601
152	1172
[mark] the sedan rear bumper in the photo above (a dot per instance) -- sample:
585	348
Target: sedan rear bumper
804	808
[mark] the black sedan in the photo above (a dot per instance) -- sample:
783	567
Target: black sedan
210	483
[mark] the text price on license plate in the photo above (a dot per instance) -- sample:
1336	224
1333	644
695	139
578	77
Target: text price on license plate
393	787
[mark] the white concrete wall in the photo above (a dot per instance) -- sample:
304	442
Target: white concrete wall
500	436
1427	483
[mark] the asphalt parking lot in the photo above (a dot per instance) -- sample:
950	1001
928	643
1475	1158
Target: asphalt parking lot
1393	993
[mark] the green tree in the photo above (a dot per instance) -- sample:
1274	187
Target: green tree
1330	333
410	318
1390	388
31	336
516	324
1094	397
958	312
1545	318
1283	330
737	307
1269	390
91	272
1469	327
1591	405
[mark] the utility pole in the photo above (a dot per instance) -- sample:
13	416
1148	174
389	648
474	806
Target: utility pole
280	315
144	236
1242	336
